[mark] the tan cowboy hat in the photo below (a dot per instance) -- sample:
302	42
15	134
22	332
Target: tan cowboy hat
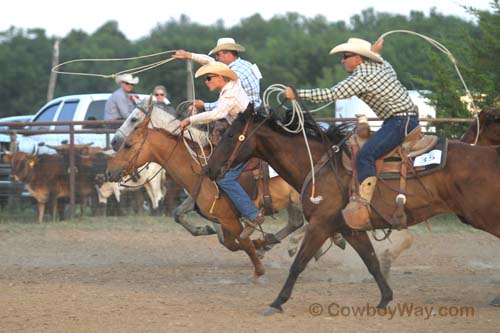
227	44
358	46
127	78
218	68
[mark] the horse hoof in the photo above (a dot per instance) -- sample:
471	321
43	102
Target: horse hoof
260	279
339	241
270	311
209	230
270	239
495	301
291	252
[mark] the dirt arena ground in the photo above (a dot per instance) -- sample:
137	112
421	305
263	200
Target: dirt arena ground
152	278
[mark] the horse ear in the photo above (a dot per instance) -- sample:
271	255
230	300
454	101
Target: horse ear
249	111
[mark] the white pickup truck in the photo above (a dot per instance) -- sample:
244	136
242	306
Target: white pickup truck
63	109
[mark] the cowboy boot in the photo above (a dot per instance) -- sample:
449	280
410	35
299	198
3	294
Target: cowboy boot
357	213
251	225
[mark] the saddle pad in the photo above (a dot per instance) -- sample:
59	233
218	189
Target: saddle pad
422	170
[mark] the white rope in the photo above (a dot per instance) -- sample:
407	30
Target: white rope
297	111
450	56
132	71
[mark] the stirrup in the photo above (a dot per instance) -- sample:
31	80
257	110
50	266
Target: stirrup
250	227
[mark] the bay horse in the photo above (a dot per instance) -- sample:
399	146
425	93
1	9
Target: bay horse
489	128
466	186
158	145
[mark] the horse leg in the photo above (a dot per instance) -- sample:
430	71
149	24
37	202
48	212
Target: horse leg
180	217
399	241
314	237
295	221
231	232
361	243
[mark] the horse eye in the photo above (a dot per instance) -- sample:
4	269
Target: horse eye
133	119
127	145
230	134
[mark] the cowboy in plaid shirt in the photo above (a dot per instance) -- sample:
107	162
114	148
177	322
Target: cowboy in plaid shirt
375	82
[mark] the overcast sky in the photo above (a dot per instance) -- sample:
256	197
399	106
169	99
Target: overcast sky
137	18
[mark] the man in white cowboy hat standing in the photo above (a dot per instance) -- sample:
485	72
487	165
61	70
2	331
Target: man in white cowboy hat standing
121	103
232	100
375	82
227	52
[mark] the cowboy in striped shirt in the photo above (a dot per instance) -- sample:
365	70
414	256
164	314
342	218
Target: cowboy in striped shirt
375	82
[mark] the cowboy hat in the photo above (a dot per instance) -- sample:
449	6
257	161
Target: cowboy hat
127	78
358	46
218	68
227	44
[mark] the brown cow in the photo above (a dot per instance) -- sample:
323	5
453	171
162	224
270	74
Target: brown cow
45	177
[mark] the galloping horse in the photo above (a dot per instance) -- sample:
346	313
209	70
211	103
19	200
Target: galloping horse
158	145
460	187
489	128
284	195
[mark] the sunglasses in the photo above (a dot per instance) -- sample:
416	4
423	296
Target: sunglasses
208	78
159	95
347	56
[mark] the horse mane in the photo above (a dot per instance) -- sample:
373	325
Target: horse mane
334	134
165	119
491	114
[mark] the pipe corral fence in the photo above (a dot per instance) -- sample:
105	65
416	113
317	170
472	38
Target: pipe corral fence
107	128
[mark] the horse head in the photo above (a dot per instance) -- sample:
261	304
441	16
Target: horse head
132	154
489	128
161	116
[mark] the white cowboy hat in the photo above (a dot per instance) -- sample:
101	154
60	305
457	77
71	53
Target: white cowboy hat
227	44
358	46
127	78
218	68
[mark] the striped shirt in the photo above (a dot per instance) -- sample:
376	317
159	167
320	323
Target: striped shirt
375	83
232	100
248	75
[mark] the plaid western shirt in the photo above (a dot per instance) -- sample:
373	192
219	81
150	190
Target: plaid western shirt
375	83
246	75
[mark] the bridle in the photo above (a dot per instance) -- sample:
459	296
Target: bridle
241	139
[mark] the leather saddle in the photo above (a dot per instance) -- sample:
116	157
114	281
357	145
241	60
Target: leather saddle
413	145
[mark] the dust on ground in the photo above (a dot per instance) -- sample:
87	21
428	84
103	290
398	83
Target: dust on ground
143	279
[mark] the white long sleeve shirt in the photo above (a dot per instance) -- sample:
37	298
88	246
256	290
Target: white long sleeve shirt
232	100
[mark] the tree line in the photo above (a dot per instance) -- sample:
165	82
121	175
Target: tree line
289	49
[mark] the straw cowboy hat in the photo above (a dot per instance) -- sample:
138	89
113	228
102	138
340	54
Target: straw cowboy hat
218	68
127	78
227	44
358	46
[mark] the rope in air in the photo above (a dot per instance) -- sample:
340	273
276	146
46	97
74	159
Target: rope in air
450	56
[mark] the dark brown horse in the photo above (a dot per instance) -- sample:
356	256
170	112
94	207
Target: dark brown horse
467	186
146	144
489	128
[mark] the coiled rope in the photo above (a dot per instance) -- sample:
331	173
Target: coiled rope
297	111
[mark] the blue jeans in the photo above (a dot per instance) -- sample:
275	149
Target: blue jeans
237	194
390	135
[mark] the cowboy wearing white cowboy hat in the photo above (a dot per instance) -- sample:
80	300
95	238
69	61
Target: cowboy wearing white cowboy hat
121	102
227	51
232	101
375	82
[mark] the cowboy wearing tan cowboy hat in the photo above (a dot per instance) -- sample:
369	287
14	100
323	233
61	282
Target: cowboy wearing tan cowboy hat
121	102
232	101
375	82
227	51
